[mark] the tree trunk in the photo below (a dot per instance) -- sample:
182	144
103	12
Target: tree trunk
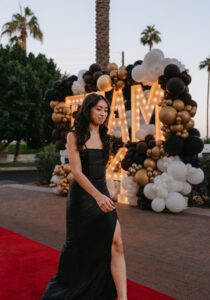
23	39
17	149
207	108
150	45
102	32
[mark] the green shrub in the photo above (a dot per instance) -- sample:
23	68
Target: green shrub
200	195
205	165
45	162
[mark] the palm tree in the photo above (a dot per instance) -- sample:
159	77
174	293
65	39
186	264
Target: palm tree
102	32
21	24
206	64
150	36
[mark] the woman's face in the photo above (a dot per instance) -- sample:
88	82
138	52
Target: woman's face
99	112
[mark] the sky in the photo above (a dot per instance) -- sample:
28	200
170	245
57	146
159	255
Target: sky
69	35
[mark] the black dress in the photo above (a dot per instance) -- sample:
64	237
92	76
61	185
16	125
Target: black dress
84	270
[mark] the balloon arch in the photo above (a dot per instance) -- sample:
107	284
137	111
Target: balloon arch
151	115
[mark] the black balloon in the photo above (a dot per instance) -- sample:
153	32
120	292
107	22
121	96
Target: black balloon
186	98
55	134
193	145
185	77
175	86
141	147
125	164
151	144
138	159
138	62
96	75
173	145
171	71
193	103
95	68
50	94
194	131
60	144
149	137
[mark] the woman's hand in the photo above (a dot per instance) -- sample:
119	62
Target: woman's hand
105	203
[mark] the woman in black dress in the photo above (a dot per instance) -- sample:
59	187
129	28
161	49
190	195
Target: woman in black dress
92	264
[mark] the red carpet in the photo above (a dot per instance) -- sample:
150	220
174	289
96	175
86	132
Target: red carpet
26	266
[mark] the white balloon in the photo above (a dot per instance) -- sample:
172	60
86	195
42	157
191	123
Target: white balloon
162	193
187	188
128	113
175	186
160	165
55	190
128	117
78	88
149	191
197	177
177	169
150	129
152	58
80	75
159	52
129	122
166	61
175	202
138	73
117	133
125	181
158	204
150	77
140	134
55	179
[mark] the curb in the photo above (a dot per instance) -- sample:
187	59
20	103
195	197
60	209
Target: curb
18	168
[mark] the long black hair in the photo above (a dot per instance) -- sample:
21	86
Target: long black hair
82	121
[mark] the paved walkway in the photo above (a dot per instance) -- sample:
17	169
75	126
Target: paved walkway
167	252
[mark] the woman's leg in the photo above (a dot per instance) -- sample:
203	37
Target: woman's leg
118	267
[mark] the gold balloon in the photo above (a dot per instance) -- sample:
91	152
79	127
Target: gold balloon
167	115
188	107
104	83
66	168
162	151
155	151
184	135
176	128
159	143
149	152
120	84
185	116
53	104
70	177
178	105
114	74
149	163
169	102
111	67
66	110
141	177
122	73
189	125
57	118
63	105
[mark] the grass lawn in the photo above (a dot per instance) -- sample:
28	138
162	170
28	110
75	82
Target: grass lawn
16	164
23	149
